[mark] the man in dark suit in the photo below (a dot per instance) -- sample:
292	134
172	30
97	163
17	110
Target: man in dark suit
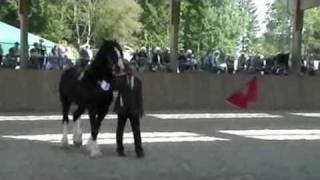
129	105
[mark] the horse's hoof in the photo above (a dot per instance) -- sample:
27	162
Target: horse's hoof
64	141
140	154
121	154
77	144
95	154
93	148
77	140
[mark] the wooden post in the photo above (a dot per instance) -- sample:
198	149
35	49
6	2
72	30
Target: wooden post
24	49
297	36
174	33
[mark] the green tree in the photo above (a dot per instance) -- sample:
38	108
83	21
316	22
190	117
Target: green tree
78	21
311	34
249	42
9	12
120	20
207	25
155	23
277	37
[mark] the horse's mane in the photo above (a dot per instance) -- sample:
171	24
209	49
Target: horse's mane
101	66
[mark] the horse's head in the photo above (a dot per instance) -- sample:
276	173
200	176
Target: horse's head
109	57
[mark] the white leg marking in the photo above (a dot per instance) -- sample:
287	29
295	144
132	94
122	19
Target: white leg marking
132	82
93	148
77	133
64	140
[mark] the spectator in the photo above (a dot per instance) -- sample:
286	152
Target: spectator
35	57
62	53
53	60
140	59
157	60
230	64
219	65
242	62
43	53
166	56
186	62
16	50
207	60
10	60
156	57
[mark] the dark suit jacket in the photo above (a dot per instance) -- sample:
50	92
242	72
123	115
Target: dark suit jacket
132	101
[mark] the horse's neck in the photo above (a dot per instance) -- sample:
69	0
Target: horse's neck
93	76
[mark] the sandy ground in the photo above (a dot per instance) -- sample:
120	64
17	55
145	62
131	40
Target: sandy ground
237	158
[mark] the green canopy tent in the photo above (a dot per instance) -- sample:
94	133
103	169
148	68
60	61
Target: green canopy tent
10	35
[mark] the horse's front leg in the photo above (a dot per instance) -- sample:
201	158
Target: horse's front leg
96	118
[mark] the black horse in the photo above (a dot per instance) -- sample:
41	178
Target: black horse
92	90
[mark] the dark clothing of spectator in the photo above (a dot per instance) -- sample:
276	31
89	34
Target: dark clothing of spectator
166	57
43	54
157	59
140	59
36	58
242	62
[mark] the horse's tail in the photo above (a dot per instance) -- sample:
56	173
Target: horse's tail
62	83
66	83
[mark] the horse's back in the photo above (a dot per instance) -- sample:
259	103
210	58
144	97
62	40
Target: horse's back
82	92
69	84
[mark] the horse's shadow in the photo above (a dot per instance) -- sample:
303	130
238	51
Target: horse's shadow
106	150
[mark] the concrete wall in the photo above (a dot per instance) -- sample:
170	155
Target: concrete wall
37	91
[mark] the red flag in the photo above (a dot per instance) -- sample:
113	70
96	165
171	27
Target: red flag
238	99
245	96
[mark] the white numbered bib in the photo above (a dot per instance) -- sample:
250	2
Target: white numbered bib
104	85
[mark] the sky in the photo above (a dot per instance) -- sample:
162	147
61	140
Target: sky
262	9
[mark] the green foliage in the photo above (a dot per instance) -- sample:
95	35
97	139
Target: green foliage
155	22
279	30
277	37
78	21
206	25
118	19
9	12
311	34
249	42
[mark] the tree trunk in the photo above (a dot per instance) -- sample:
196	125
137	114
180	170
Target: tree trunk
76	20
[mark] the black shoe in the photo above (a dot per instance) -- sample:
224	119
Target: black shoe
121	153
140	153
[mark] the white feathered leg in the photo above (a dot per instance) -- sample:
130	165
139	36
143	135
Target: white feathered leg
77	133
64	140
93	148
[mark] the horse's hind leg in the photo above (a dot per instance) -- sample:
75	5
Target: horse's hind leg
77	131
65	120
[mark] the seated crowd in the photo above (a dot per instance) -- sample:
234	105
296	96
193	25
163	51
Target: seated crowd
218	63
158	60
59	57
